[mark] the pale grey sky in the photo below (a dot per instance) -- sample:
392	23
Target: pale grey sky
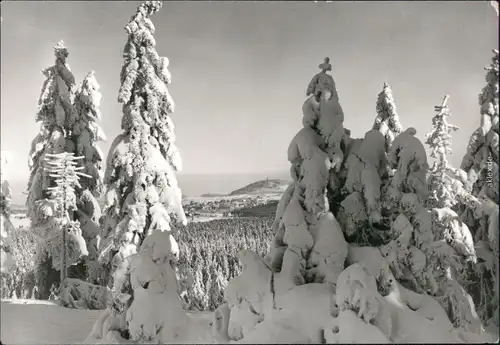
240	69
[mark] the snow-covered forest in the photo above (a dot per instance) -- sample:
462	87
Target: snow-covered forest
377	239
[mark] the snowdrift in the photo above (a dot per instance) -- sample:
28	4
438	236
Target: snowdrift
44	322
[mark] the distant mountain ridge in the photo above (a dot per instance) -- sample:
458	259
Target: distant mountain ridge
267	186
212	195
211	185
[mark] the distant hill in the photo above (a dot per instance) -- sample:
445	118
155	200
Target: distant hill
268	186
212	195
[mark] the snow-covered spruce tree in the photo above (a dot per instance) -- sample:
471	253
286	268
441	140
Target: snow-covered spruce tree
73	292
439	140
6	226
301	292
316	156
366	174
481	160
447	185
446	191
408	156
480	165
56	114
387	120
85	135
142	193
63	168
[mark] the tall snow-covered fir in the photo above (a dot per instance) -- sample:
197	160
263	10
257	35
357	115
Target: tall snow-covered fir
481	160
387	120
366	170
63	168
137	248
480	167
439	140
85	136
56	113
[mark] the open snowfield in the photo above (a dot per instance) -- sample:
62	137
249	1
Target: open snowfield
44	322
20	220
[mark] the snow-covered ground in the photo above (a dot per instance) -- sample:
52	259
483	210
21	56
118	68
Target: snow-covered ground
20	220
44	322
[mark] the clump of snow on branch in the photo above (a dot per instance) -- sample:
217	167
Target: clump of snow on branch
407	155
366	167
6	226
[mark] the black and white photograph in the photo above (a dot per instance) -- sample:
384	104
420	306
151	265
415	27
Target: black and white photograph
249	172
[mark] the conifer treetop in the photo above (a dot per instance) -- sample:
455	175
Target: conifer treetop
439	140
145	10
144	74
55	103
488	99
484	140
60	51
322	81
386	111
144	94
325	66
90	82
62	68
89	96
